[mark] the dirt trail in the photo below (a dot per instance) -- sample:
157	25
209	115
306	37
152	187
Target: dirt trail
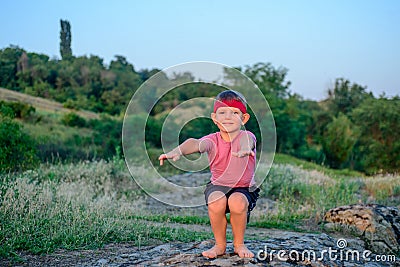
44	104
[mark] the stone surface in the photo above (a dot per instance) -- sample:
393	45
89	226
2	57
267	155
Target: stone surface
377	225
285	249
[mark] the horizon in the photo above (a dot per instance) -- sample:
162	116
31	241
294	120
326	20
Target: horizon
316	42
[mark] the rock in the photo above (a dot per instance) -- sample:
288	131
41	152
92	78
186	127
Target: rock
102	262
377	225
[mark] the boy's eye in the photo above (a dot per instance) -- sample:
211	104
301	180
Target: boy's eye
235	112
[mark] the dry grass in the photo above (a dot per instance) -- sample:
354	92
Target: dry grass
73	206
43	104
383	188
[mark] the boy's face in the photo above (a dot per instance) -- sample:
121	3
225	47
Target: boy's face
229	119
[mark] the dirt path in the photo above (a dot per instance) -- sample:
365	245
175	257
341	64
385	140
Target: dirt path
44	104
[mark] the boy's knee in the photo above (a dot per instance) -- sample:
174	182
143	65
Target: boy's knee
217	201
238	203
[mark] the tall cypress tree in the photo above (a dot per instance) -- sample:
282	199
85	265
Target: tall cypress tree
65	40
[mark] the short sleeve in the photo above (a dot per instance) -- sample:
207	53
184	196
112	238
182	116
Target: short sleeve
206	143
252	136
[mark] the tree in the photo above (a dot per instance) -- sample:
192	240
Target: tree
270	80
126	81
65	40
273	85
340	136
9	58
344	97
379	145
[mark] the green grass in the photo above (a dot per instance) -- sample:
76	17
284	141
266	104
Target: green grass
278	222
306	165
187	219
301	194
77	206
55	131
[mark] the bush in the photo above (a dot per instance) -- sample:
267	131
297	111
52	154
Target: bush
17	149
72	119
107	137
19	110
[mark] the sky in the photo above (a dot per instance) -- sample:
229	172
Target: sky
317	41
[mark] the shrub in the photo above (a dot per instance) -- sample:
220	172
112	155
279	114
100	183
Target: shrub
19	110
72	119
17	149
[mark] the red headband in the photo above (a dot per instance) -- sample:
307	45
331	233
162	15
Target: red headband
230	103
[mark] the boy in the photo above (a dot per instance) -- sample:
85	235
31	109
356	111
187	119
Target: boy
232	156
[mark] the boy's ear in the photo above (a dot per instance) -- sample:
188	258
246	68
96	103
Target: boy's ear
245	118
213	117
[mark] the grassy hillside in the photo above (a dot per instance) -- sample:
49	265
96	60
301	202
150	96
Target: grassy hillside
42	104
61	133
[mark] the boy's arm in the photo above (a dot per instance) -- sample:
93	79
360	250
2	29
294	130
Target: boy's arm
247	145
190	146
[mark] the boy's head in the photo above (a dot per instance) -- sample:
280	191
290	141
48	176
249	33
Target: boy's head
230	98
230	111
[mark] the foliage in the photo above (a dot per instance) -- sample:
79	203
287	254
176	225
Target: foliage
10	66
283	159
271	81
378	149
85	82
17	149
73	119
340	136
344	97
107	137
304	128
65	40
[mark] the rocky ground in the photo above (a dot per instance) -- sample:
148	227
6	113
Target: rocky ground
280	249
271	247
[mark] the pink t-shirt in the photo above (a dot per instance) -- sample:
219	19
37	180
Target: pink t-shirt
228	170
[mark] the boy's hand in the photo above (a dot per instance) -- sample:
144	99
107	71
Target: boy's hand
170	155
243	153
246	147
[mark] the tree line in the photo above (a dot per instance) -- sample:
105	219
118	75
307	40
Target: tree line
351	128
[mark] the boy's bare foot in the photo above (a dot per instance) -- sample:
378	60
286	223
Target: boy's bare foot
215	251
243	251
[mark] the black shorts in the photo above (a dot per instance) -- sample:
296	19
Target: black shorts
251	194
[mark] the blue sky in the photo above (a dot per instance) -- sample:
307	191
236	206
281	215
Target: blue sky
317	41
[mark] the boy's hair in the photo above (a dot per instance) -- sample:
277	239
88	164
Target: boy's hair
231	95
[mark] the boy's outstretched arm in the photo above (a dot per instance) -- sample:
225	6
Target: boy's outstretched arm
247	145
190	146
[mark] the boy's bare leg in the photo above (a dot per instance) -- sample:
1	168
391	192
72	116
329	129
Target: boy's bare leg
238	205
216	211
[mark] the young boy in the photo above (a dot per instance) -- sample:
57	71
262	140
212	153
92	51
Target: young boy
232	156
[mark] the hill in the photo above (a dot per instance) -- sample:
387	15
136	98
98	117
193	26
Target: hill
61	133
43	104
